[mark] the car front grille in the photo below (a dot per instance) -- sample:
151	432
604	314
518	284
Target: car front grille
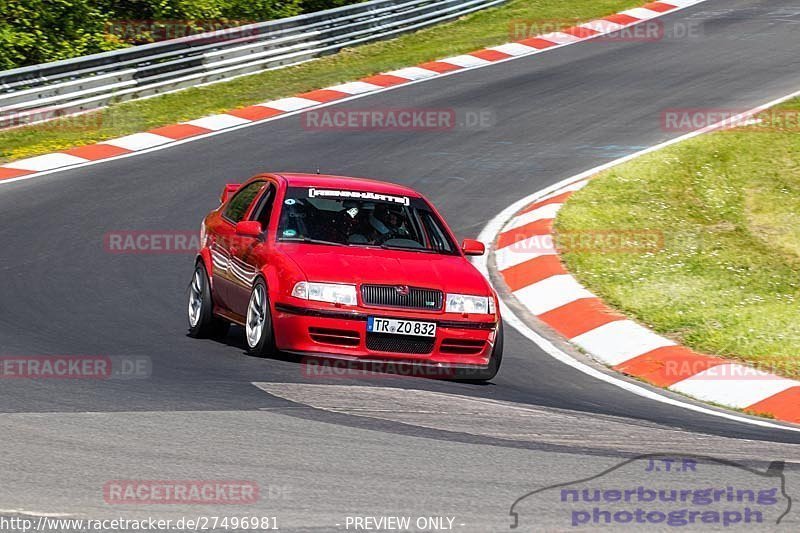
390	296
387	342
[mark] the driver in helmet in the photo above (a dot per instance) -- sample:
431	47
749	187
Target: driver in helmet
387	222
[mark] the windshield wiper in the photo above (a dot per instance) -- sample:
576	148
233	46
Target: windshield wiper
309	240
409	248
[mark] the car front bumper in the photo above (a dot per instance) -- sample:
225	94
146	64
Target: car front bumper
343	334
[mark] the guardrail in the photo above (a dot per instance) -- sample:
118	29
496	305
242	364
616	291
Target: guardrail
42	92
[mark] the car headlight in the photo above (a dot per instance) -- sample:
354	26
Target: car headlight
464	303
325	292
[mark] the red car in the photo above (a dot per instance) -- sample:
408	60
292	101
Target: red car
343	267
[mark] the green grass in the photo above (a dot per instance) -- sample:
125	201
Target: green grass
485	28
727	279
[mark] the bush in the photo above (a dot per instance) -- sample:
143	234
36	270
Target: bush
39	31
200	10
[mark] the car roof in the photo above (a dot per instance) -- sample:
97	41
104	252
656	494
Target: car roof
346	183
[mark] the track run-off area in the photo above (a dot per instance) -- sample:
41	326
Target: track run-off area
325	448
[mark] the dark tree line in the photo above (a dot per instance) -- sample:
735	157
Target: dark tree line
38	31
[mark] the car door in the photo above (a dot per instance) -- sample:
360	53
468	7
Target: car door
225	241
250	253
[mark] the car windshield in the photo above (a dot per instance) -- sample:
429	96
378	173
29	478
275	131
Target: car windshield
357	218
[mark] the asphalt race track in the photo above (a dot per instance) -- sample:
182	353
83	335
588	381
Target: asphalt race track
393	444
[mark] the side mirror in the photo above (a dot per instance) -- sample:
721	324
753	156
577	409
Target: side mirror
227	191
473	247
249	228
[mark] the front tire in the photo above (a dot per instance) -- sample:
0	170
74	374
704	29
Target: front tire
485	374
202	322
258	326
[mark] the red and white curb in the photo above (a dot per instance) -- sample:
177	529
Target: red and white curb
236	118
527	260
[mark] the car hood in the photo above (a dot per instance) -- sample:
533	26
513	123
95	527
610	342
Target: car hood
355	265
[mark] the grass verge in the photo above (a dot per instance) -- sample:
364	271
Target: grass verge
726	280
485	28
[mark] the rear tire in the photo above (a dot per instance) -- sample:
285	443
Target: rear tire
485	374
258	325
202	322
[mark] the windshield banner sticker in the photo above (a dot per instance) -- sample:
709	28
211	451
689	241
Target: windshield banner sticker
331	193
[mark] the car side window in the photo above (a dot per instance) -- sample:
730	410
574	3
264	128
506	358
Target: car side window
439	241
238	205
263	210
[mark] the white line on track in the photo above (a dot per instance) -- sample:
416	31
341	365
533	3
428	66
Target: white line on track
495	225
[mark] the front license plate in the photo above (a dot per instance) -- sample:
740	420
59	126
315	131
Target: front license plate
401	327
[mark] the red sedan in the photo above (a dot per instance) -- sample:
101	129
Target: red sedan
343	267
